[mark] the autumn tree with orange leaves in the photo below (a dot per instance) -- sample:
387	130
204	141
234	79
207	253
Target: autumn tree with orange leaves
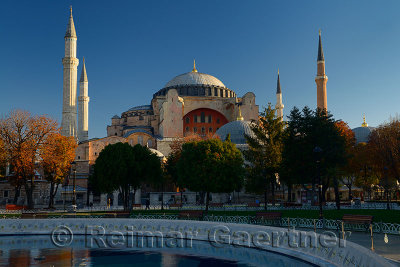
24	136
3	158
350	169
56	156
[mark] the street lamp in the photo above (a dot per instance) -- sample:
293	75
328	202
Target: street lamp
318	153
73	165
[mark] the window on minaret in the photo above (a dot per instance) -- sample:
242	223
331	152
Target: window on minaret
203	117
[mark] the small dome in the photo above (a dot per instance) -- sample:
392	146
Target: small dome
194	78
362	133
237	130
144	107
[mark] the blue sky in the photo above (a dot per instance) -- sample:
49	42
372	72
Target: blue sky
133	48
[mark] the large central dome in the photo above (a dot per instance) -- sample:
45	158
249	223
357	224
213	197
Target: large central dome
196	84
194	78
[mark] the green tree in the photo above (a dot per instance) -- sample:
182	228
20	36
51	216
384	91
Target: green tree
211	166
265	153
124	168
307	130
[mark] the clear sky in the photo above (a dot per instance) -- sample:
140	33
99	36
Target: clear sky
133	48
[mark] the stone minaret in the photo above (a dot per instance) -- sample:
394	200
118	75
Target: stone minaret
70	63
321	78
279	105
83	106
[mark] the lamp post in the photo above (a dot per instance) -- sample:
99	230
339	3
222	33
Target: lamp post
317	152
73	165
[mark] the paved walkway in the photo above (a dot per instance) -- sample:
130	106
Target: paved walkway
390	250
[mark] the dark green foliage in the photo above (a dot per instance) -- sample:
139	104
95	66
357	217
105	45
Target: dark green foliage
210	166
265	152
306	130
124	168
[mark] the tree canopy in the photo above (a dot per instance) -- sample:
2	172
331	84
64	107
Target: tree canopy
264	154
56	157
210	166
124	168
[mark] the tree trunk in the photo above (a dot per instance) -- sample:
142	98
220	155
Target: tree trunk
51	196
273	190
207	201
162	196
337	195
29	197
289	189
350	193
265	198
17	194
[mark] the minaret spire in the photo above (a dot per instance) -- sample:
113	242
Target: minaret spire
321	79
320	50
278	85
83	106
70	73
83	73
279	105
71	26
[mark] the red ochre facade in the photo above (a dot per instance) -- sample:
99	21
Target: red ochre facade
203	121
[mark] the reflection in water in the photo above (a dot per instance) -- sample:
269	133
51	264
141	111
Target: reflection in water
23	251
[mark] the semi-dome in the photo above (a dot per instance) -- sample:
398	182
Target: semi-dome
237	129
194	78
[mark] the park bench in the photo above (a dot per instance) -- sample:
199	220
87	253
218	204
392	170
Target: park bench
191	214
366	220
253	205
274	217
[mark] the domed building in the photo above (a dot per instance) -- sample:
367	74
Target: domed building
238	130
190	103
362	133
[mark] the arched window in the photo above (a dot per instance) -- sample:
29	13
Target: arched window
203	130
203	117
140	140
187	120
149	143
195	129
210	130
